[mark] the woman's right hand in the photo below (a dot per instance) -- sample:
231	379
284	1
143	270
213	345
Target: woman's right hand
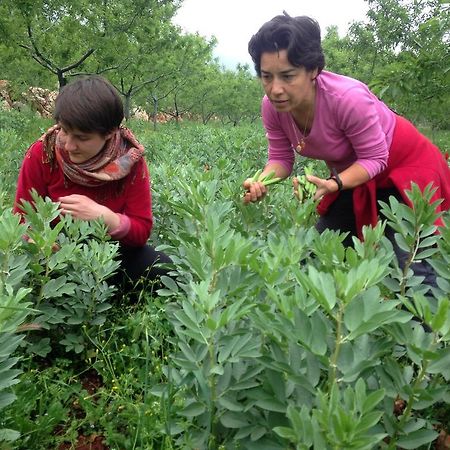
255	191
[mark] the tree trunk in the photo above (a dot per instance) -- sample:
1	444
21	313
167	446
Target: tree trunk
155	111
127	106
62	80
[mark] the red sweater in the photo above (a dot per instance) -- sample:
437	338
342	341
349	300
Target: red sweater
412	159
130	197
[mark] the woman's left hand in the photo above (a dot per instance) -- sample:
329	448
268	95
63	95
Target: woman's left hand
323	186
84	208
81	207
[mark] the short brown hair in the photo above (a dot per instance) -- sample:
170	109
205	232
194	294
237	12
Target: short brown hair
89	104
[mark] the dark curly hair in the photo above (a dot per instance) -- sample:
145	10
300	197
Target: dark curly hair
300	36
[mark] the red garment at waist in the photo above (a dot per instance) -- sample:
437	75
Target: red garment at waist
412	158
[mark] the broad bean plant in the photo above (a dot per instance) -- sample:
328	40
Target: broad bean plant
289	340
53	287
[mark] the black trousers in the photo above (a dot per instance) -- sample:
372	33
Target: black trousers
141	263
341	217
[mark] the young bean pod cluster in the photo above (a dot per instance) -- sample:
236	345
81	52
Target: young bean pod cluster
266	180
305	189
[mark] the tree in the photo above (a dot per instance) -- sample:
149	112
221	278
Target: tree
240	95
191	56
342	56
407	43
63	35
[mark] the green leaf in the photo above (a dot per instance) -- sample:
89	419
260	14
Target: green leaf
8	435
225	351
247	384
321	286
99	320
286	433
190	324
372	400
169	283
58	287
258	433
230	404
102	307
368	421
8	343
441	315
75	320
7	364
378	320
216	370
9	379
244	432
271	404
6	398
235	311
417	438
319	335
442	362
354	314
159	390
187	352
232	419
425	254
248	346
193	410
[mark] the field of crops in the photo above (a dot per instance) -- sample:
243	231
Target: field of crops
268	335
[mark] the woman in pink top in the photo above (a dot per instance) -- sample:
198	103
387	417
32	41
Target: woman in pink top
371	152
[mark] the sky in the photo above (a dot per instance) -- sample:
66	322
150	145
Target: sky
233	22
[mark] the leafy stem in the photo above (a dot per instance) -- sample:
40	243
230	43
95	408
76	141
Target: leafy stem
337	348
212	397
44	279
410	403
409	262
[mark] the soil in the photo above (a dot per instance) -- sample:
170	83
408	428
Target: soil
443	441
91	442
91	382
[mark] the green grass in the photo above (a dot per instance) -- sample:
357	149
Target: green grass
197	173
440	137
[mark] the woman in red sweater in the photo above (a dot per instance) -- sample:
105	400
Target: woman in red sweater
95	169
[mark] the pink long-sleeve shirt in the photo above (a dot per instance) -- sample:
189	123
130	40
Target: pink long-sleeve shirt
350	125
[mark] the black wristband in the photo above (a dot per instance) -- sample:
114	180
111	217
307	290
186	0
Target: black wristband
336	178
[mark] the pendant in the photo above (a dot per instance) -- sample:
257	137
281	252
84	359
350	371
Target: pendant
301	146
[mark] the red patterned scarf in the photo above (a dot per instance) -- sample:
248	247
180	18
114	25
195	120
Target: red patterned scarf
114	161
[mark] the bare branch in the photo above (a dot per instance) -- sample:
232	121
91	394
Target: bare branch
97	72
36	58
107	69
140	86
43	64
37	55
78	63
42	59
